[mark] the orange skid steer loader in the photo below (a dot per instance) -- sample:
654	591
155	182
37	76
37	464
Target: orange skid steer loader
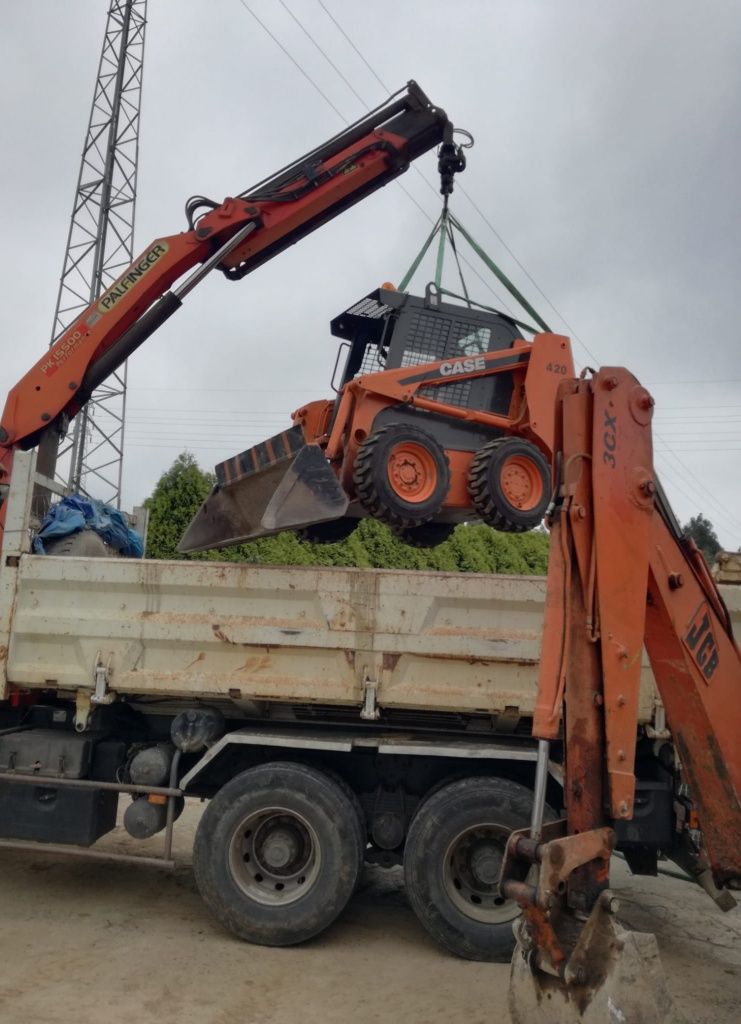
444	413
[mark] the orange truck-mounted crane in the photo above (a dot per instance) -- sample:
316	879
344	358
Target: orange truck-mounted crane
235	236
621	575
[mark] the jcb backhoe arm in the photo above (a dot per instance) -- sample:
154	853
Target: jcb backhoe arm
620	576
236	236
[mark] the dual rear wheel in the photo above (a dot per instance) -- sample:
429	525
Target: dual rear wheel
280	848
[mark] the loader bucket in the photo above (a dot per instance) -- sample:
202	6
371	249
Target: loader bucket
280	484
614	977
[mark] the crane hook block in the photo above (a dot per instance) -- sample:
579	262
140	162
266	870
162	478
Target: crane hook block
451	160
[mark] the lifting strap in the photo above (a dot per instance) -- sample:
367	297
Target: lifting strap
444	227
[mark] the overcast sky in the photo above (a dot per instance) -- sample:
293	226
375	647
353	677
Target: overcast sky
607	158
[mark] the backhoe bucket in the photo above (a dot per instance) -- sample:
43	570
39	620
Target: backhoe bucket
281	484
613	977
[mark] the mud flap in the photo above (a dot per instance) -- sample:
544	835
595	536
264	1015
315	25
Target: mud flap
294	490
613	977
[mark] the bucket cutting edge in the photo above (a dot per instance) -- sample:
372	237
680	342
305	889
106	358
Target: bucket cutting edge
294	490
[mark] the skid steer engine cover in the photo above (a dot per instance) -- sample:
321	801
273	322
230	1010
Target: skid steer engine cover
388	330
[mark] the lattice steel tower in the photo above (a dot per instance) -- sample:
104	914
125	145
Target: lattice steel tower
100	243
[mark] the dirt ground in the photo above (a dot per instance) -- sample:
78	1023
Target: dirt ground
93	942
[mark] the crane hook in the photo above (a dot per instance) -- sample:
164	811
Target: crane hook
451	159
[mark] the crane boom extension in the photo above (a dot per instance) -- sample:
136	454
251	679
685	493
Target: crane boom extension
620	575
237	235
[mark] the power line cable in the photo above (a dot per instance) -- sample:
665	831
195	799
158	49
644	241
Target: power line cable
297	64
293	61
364	102
465	193
324	54
701	494
669	472
486	220
339	113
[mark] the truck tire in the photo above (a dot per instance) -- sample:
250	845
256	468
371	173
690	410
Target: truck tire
277	854
452	858
360	822
510	484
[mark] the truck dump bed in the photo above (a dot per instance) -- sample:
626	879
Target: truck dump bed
438	642
433	641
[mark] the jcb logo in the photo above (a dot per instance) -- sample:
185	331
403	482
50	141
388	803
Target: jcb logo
463	366
700	642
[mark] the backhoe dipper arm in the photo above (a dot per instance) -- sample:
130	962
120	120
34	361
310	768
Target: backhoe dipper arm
236	236
620	576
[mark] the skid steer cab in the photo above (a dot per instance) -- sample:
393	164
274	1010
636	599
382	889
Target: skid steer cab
443	414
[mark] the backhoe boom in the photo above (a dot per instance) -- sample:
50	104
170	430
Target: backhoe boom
621	576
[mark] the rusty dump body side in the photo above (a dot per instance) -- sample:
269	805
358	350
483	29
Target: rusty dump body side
240	633
184	630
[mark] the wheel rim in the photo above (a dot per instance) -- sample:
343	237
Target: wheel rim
471	869
412	472
275	856
522	483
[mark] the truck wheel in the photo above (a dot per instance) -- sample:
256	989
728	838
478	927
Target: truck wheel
452	858
360	822
401	475
277	853
428	535
510	484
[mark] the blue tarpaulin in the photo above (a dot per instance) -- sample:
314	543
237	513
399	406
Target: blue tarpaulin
75	513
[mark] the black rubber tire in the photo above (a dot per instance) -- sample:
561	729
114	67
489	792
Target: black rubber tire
328	533
485	488
361	822
372	486
428	535
446	814
83	544
319	801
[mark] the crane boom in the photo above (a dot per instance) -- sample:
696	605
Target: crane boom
236	236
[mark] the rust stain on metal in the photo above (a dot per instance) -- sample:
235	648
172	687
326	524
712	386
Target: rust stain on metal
484	633
288	627
543	934
256	664
471	659
721	768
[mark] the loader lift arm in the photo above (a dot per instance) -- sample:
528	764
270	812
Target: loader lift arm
236	236
620	576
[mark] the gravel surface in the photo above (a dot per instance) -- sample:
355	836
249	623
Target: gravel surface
93	942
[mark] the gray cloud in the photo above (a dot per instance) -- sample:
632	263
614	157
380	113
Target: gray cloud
607	156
